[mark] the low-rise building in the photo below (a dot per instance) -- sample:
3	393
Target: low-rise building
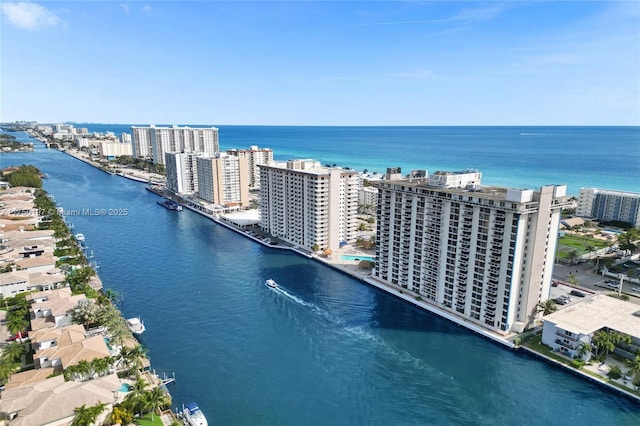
569	330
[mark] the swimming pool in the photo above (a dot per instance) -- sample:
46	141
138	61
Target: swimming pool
357	257
613	231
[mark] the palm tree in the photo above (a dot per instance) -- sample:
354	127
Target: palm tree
7	369
136	395
84	416
602	341
634	369
606	341
155	398
584	349
13	351
547	307
102	365
111	295
133	356
16	323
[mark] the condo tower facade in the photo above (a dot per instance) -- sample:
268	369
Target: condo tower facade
484	254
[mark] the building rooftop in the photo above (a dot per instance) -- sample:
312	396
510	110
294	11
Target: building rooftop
598	312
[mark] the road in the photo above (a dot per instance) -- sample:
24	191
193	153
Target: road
586	277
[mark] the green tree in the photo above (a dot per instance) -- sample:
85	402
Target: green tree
13	352
155	398
85	313
133	357
634	369
584	349
83	416
16	323
7	368
547	307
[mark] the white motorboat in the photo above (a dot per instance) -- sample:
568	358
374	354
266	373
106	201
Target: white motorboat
193	416
271	283
79	237
135	325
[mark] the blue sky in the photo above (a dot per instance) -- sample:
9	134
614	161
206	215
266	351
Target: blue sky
321	62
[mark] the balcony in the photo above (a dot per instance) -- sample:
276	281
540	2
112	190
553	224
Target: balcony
564	336
565	345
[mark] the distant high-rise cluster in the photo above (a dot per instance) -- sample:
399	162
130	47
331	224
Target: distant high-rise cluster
153	142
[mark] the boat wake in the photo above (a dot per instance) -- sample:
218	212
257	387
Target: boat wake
358	332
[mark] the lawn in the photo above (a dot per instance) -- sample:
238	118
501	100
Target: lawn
573	245
146	420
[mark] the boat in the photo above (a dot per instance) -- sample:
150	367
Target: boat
193	415
271	283
171	205
135	325
79	237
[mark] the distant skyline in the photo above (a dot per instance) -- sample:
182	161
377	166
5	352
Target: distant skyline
321	62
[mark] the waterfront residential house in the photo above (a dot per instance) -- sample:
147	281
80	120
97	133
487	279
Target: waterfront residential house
12	283
567	330
153	142
255	156
53	308
482	254
308	205
69	349
52	401
609	205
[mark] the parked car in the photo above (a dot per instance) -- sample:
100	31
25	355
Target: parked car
560	301
636	289
577	293
611	284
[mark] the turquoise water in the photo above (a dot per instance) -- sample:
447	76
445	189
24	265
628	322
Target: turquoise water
515	156
354	257
324	350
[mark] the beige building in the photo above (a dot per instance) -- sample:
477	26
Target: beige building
309	205
111	149
223	180
484	254
255	156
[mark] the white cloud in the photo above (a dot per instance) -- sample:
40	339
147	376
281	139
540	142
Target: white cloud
125	7
146	9
30	16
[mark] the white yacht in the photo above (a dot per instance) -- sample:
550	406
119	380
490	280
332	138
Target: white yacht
193	416
135	325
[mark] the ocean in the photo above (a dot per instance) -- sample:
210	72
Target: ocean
515	157
326	350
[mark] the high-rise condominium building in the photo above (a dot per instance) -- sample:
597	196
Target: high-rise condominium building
223	180
608	205
181	171
309	205
484	254
153	142
255	156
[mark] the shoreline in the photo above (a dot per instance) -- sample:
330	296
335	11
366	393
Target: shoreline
363	277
